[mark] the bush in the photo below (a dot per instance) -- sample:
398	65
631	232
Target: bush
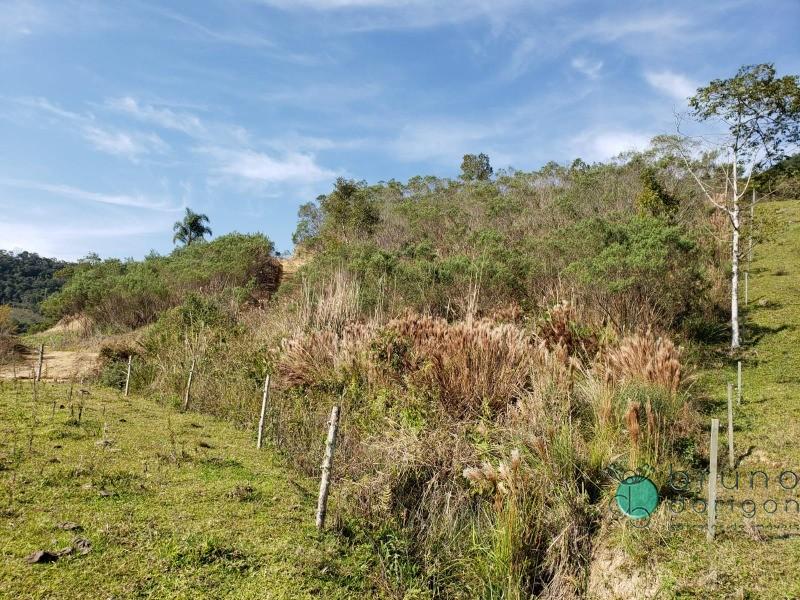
123	295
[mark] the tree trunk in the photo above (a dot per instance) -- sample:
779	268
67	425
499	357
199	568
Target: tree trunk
735	282
734	215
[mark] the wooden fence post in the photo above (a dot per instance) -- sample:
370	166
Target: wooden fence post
738	382
188	387
711	506
41	361
128	376
730	425
264	400
327	463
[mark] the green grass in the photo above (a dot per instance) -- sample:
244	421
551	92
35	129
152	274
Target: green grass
767	429
174	506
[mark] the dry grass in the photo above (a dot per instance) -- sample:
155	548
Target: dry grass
646	358
467	366
466	447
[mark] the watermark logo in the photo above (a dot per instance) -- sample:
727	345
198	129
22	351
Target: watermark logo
637	497
682	497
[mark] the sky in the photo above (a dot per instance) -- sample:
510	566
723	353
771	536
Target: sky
115	115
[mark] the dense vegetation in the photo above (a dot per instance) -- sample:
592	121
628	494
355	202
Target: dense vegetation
495	341
624	239
26	279
121	295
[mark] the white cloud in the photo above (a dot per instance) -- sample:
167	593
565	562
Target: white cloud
130	145
259	167
323	96
237	38
439	140
163	117
539	43
614	28
407	14
604	144
672	84
46	106
66	191
520	58
590	68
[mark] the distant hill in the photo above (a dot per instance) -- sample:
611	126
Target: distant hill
25	280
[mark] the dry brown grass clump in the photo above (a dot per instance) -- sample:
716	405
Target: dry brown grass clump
561	327
467	365
314	358
647	358
330	305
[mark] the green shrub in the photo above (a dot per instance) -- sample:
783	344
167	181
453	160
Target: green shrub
122	295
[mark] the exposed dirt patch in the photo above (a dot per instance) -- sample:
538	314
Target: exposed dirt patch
58	365
614	576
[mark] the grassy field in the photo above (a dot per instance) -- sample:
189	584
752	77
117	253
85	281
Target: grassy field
173	506
759	557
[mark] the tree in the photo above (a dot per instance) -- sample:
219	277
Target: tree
309	222
762	115
350	207
191	229
654	200
476	168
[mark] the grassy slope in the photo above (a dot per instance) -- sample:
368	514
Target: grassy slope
767	424
194	510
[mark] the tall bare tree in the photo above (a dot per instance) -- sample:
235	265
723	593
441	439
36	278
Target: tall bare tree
761	113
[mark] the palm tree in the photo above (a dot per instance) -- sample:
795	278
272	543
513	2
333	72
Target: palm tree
191	228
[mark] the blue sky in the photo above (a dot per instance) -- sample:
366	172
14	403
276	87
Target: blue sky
114	115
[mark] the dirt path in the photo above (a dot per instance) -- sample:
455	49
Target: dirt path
59	365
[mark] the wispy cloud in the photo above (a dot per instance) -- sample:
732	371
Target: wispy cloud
676	85
589	67
131	145
540	43
610	29
405	14
323	96
239	38
439	140
598	145
520	57
261	168
163	117
111	140
71	241
66	191
44	105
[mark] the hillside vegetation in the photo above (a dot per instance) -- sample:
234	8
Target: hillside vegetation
121	295
496	342
26	279
504	347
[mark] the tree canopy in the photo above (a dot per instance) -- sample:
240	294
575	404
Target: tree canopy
191	229
760	109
